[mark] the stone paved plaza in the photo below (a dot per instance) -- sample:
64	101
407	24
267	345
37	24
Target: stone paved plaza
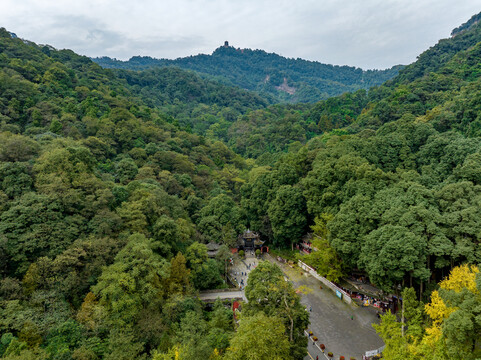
344	329
331	320
241	268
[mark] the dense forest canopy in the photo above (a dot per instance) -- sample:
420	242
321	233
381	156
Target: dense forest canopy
395	194
107	199
389	177
113	181
280	78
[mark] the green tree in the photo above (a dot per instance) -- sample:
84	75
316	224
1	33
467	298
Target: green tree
37	225
349	226
399	254
325	260
55	126
63	338
191	334
17	147
166	235
257	193
132	283
287	213
217	214
259	337
223	256
205	272
123	345
390	331
15	178
268	292
126	170
412	314
179	277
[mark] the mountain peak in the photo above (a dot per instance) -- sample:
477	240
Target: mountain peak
285	79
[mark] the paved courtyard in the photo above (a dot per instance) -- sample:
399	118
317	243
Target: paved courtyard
344	329
241	269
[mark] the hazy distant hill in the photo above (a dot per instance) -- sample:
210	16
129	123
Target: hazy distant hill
288	80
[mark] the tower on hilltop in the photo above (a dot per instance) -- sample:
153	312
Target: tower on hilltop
226	43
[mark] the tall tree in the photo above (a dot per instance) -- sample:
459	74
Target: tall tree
392	254
219	213
267	291
287	213
132	283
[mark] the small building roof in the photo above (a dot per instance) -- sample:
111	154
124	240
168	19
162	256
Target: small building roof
212	246
258	242
248	234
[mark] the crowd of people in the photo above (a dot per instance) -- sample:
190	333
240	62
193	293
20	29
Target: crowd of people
241	273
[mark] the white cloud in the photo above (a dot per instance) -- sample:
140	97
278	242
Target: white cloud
369	34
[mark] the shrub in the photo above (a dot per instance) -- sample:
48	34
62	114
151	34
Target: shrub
330	354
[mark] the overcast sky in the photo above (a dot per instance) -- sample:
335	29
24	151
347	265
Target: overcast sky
364	33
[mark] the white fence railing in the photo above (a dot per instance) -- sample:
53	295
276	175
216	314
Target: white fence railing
339	292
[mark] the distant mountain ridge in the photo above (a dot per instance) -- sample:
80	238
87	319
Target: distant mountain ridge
467	25
288	80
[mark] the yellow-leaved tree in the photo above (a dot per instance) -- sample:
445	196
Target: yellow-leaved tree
455	313
453	331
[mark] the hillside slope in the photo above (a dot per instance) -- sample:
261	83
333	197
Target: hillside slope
105	209
106	201
288	80
196	104
397	192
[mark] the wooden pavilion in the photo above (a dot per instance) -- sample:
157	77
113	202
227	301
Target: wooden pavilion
250	240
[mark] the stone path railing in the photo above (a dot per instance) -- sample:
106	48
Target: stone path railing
223	294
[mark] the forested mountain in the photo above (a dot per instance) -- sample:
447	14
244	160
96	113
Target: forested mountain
409	146
395	194
240	118
105	208
287	80
111	183
196	104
